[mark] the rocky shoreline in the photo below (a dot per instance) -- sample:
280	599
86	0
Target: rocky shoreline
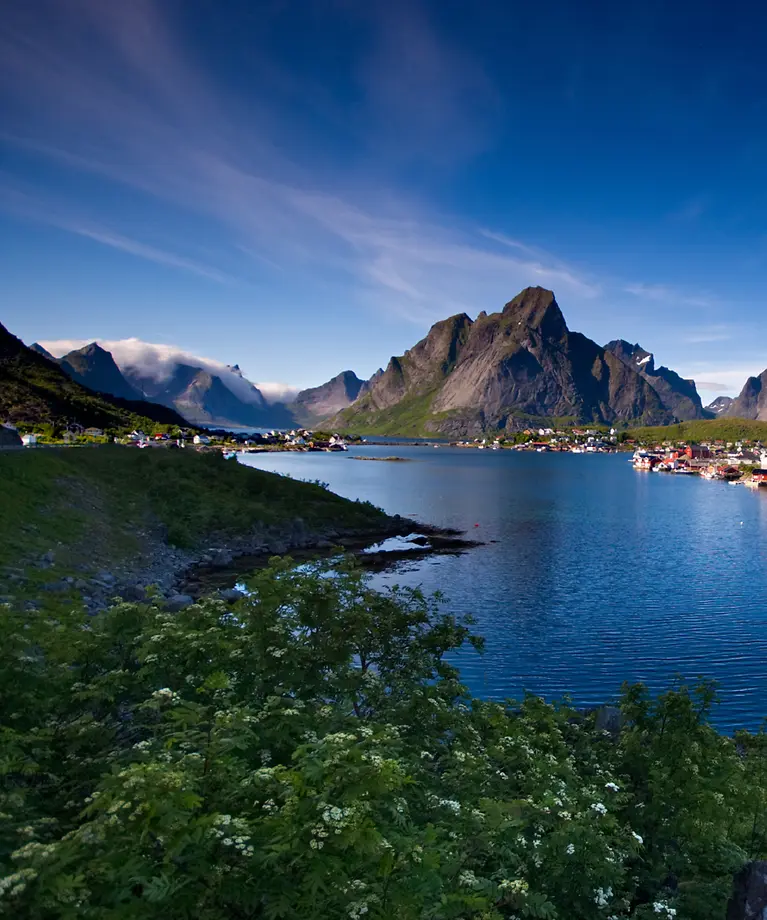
179	576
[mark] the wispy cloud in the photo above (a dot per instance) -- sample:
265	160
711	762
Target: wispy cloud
720	333
107	90
691	210
660	293
713	385
427	97
55	215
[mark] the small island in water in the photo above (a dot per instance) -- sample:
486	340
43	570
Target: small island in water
385	459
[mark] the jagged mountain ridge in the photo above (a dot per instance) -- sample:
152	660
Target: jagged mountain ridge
679	396
720	405
35	390
205	399
94	367
501	370
751	403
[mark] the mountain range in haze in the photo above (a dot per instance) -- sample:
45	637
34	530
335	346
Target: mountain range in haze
500	371
35	389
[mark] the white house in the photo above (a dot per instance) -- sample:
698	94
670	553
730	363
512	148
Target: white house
201	439
29	440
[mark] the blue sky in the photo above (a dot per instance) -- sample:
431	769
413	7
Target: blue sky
304	186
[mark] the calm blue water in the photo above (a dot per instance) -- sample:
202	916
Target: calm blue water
600	574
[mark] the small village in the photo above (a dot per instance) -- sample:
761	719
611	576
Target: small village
733	463
229	442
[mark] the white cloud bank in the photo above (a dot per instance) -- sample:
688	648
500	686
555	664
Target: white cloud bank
158	362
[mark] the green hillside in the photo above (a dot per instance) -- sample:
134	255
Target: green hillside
96	505
35	391
716	429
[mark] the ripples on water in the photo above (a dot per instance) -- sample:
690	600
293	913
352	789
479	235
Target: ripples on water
600	574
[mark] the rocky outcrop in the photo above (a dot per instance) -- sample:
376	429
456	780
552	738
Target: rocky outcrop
94	367
9	438
720	405
752	401
679	396
501	370
749	893
315	404
38	348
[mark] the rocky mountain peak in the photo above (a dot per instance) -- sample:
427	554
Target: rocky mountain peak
94	367
38	348
537	308
642	359
720	405
751	403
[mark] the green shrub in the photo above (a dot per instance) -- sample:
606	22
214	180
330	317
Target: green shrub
309	753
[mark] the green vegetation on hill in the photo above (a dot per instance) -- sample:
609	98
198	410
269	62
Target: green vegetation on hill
99	502
411	417
308	754
35	391
717	429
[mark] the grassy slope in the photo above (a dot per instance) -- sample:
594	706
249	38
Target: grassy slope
91	505
721	429
35	391
408	417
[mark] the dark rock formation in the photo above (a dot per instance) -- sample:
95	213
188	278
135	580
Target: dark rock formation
9	438
315	404
720	405
749	893
679	396
502	370
205	399
94	367
752	401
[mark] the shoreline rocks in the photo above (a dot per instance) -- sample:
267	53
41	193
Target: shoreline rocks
178	576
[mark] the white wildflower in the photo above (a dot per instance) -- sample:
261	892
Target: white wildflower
637	837
611	787
599	808
602	896
570	849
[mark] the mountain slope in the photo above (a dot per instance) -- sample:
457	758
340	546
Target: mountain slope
679	396
318	403
204	398
752	401
94	367
37	347
34	390
501	371
720	405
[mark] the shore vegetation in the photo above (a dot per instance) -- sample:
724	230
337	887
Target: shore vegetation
310	753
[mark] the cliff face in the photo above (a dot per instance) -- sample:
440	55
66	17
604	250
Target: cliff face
94	367
679	396
752	401
318	403
501	370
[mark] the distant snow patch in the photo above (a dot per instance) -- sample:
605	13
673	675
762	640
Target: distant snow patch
644	360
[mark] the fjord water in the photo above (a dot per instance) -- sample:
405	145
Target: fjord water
599	574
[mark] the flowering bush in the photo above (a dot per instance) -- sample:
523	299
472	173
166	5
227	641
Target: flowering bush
309	753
